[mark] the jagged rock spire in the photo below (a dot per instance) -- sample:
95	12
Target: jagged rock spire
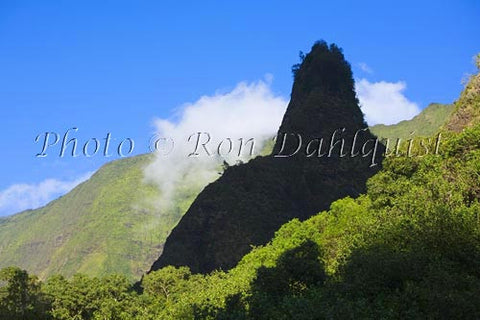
249	202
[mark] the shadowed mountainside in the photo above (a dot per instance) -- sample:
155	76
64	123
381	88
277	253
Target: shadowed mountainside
245	206
110	223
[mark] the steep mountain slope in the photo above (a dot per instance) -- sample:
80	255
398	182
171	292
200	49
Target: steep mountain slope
409	248
467	107
118	187
106	224
110	223
250	202
424	124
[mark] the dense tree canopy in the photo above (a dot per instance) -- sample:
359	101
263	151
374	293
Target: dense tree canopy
409	248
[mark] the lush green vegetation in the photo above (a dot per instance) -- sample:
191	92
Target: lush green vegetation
108	224
251	201
467	108
425	124
409	248
66	236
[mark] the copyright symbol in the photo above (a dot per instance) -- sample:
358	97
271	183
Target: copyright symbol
161	145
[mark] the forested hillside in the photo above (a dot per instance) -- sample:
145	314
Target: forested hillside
108	224
424	124
408	248
245	206
112	223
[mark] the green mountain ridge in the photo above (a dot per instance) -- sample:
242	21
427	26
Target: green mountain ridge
245	206
408	248
425	124
467	107
28	238
106	224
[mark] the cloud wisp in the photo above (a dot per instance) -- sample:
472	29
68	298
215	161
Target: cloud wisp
250	110
23	196
365	67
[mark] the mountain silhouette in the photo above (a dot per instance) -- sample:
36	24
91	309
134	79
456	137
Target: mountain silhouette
323	152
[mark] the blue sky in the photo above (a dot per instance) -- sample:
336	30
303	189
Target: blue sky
114	66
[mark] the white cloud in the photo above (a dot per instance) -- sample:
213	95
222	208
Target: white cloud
23	196
365	68
384	102
250	110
